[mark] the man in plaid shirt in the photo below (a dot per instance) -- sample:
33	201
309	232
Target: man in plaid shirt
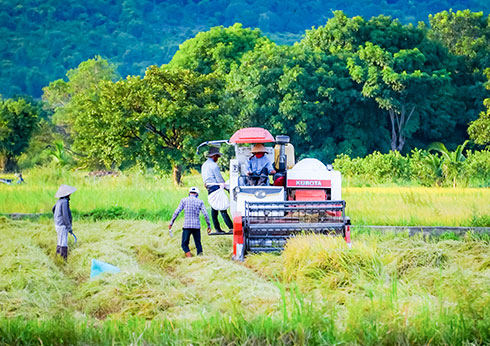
192	206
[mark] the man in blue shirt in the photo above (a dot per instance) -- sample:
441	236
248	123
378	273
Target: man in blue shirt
259	166
212	179
192	206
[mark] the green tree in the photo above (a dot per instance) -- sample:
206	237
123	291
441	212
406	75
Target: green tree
339	34
479	130
216	49
397	84
305	94
424	93
464	33
18	120
342	35
62	97
59	155
156	121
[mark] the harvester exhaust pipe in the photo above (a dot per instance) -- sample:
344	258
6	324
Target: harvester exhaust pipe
282	140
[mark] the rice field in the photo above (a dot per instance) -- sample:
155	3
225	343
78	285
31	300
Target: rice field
389	289
148	196
131	190
418	206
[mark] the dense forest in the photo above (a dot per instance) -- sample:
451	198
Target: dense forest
41	40
353	86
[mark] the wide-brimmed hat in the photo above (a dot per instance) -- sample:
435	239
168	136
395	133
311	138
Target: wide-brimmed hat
259	148
65	190
213	151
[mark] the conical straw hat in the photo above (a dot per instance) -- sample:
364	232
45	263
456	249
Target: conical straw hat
64	190
259	148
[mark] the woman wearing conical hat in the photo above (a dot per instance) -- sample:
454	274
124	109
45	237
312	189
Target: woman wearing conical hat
63	219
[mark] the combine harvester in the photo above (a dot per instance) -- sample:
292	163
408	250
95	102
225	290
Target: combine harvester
304	197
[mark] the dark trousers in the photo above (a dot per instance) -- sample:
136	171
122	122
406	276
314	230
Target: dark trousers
260	179
186	237
224	214
62	251
226	217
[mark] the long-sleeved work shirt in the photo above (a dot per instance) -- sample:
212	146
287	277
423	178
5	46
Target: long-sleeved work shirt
192	206
256	164
62	213
210	172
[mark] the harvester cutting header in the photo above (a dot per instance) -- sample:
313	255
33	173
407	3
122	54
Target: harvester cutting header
303	197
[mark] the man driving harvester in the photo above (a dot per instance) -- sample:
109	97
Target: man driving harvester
212	179
259	166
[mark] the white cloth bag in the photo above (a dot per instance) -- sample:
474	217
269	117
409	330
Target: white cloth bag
218	200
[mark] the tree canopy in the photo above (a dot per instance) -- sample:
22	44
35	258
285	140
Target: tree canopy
216	49
353	86
408	76
41	40
18	120
465	33
479	130
156	121
307	95
63	97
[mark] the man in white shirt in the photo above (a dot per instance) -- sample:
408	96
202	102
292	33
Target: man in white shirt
212	179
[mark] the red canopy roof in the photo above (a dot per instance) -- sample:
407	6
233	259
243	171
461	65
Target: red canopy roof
252	135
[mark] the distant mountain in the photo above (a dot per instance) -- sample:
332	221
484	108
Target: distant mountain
41	39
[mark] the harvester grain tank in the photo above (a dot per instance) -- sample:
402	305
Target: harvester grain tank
304	197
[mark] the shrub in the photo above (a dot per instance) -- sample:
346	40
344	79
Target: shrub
386	167
420	167
480	221
426	168
476	167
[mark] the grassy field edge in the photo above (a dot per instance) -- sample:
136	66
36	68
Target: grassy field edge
302	326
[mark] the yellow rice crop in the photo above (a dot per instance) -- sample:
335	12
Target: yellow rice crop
155	280
389	283
367	205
